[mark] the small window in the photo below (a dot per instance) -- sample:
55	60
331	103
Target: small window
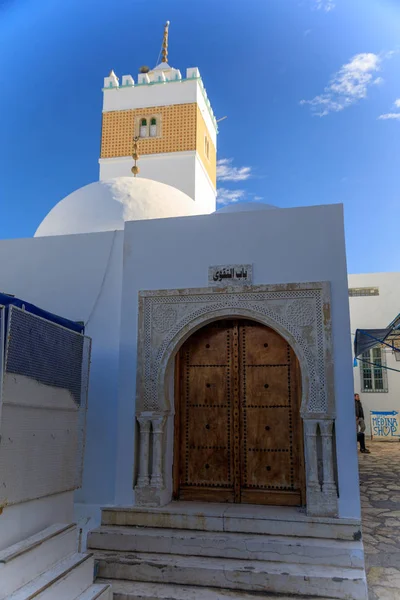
373	372
143	128
153	127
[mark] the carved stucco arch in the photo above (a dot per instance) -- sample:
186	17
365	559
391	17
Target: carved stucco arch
298	312
166	365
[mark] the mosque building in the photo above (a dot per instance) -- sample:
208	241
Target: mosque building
219	448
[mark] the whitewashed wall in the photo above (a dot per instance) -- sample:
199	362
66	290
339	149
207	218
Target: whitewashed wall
375	312
287	245
183	170
174	168
79	277
39	440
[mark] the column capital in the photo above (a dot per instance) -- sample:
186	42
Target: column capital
310	427
158	424
326	427
144	423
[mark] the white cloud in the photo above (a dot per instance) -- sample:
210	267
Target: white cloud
395	116
225	196
326	5
348	85
258	198
388	116
226	172
378	81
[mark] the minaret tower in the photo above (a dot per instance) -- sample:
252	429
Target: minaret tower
175	124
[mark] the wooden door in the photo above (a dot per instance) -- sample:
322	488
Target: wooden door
237	423
271	431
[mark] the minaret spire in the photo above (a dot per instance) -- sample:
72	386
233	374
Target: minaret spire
165	44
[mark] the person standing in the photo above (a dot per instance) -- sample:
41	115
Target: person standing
360	424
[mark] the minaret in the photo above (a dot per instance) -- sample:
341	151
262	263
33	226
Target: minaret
175	124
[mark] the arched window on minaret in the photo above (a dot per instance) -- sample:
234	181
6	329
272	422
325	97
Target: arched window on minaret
153	127
143	128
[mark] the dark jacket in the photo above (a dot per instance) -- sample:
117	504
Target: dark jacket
359	410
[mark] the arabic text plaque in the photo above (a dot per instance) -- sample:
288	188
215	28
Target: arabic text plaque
227	275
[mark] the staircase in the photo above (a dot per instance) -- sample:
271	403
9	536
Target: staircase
190	551
47	566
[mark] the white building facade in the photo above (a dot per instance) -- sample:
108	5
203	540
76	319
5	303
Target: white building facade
374	304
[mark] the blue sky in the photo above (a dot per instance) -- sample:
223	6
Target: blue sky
307	86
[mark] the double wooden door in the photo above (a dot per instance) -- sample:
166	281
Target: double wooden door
238	435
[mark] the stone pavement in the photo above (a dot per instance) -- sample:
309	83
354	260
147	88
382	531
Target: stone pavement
380	501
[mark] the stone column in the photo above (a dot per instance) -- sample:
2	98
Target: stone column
157	479
310	430
329	485
144	451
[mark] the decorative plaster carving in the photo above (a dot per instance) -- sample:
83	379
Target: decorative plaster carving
300	312
164	318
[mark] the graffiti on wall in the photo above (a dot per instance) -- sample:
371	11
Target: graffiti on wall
385	424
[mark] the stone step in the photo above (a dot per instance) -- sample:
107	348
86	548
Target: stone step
238	518
26	560
228	545
256	576
97	591
64	581
129	590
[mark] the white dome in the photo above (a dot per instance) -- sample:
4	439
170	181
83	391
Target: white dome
106	205
245	206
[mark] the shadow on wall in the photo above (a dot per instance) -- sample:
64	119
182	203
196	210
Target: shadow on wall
101	430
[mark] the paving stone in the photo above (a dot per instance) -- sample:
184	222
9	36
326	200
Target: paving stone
380	496
385	539
383	593
388	577
392	522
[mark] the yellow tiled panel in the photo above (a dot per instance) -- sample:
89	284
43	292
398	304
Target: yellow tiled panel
181	127
177	131
210	162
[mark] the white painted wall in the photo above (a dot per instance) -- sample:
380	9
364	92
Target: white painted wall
23	520
285	245
39	429
182	170
79	277
375	312
159	94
